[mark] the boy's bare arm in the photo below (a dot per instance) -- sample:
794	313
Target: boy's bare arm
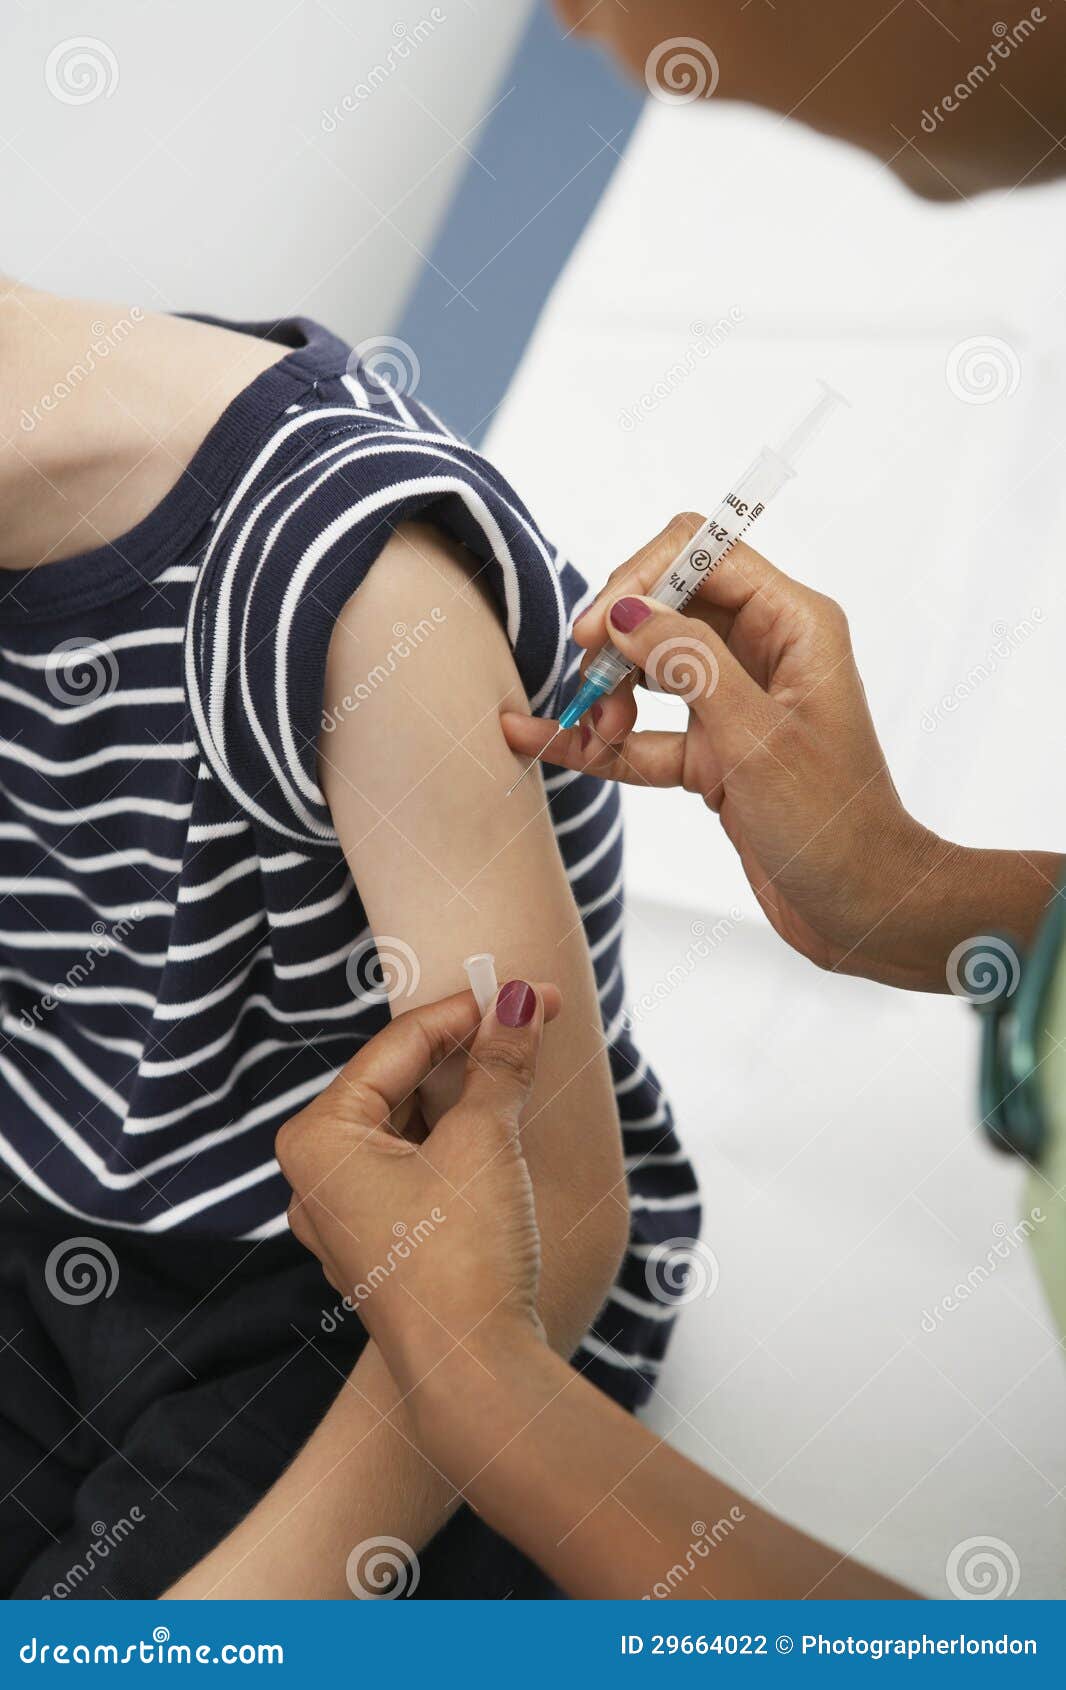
446	865
415	771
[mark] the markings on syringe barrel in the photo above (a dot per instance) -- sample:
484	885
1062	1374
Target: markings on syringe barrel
700	562
697	564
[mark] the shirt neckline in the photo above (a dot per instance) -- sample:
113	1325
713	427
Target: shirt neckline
134	559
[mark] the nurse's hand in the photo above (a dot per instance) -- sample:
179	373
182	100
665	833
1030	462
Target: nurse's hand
431	1237
780	742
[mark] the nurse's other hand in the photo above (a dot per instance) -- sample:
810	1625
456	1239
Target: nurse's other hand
431	1237
779	741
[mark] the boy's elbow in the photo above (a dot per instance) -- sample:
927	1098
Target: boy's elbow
598	1202
614	1236
604	1236
584	1236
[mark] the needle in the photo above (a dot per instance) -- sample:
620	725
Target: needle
533	761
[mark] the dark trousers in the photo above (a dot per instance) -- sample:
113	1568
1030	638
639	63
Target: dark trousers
152	1388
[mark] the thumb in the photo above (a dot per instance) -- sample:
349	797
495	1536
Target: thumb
682	656
502	1064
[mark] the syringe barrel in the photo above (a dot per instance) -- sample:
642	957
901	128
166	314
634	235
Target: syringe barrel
742	506
764	477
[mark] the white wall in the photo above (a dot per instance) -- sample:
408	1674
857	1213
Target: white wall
206	178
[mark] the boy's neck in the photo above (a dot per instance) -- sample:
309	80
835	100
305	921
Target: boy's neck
101	409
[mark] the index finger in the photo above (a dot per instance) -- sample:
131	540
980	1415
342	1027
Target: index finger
396	1061
723	592
390	1068
637	574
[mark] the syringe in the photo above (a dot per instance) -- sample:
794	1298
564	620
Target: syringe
742	506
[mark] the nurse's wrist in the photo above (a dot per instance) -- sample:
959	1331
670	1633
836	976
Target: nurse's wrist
450	1396
948	895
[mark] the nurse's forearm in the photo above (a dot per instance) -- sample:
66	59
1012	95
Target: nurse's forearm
603	1506
953	894
365	1472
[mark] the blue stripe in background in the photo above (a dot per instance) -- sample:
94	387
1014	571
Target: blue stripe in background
544	157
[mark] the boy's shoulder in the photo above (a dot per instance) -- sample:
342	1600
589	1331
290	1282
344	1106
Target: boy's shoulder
303	527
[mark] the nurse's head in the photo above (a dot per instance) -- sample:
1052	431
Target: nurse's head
954	95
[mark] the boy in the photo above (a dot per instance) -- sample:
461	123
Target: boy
243	804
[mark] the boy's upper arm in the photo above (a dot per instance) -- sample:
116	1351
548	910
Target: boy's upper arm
415	771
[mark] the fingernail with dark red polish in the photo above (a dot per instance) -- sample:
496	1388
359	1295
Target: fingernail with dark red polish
586	735
597	712
628	614
515	1004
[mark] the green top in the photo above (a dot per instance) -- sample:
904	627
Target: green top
1023	1078
1046	1185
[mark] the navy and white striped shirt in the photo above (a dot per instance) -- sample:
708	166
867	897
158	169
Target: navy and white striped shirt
178	917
